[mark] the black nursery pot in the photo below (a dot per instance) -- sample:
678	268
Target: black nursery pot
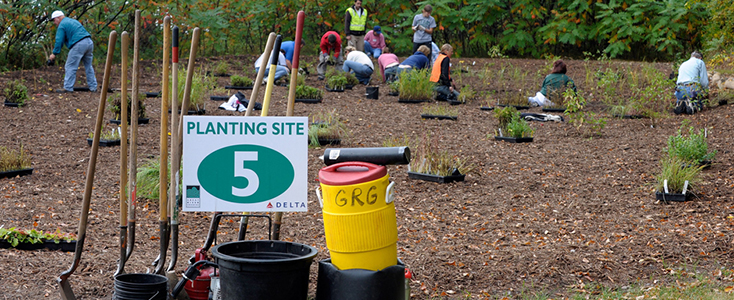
426	116
333	90
13	173
234	87
513	139
13	104
140	121
311	101
456	176
667	197
104	143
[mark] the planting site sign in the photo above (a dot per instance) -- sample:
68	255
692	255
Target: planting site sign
253	164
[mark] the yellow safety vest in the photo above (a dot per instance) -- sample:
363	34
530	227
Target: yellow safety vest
358	21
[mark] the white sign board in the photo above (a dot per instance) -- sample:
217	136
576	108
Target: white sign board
252	164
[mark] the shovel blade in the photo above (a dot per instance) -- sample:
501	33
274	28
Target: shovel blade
66	292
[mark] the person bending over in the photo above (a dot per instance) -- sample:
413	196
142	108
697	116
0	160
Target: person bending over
358	63
691	86
388	63
71	33
419	60
330	42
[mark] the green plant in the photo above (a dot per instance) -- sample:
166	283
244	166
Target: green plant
586	123
240	80
336	80
148	179
428	159
200	84
326	125
308	92
440	110
111	135
504	116
415	85
395	86
15	92
221	67
466	94
114	105
404	140
519	128
692	149
351	78
11	159
15	236
514	99
676	172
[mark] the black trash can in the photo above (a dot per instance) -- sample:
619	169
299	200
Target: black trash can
264	270
372	92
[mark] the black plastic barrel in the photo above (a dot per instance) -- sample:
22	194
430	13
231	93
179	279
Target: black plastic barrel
140	287
379	155
264	270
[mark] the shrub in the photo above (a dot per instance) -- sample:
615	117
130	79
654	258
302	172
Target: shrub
676	172
221	68
11	159
15	236
241	80
415	85
15	92
308	92
114	105
693	148
504	116
351	79
326	125
336	80
519	128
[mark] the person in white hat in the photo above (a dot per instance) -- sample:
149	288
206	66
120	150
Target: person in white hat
71	33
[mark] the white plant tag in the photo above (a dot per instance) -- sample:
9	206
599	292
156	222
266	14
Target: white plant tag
685	187
665	186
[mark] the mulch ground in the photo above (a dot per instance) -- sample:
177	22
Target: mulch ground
561	214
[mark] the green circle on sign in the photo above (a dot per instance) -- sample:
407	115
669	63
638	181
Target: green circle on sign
245	174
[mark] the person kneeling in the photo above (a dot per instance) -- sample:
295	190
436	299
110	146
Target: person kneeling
358	63
441	75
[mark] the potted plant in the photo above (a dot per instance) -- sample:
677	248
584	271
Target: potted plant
352	80
36	239
108	138
220	69
439	112
513	128
466	94
14	163
336	81
326	128
114	105
431	164
692	149
199	85
308	94
415	86
517	100
676	179
16	93
239	83
488	102
394	88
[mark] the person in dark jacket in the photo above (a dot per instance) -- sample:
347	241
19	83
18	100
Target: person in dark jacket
441	75
419	60
71	33
553	86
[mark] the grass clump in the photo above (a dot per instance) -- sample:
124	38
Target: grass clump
676	172
351	78
11	159
221	68
440	110
466	94
326	125
114	105
415	85
504	115
693	148
112	135
519	128
308	92
428	159
240	80
514	99
16	92
199	85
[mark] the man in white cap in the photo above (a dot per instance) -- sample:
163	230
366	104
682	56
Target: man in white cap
71	33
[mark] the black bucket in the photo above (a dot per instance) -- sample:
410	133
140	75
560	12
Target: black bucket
260	270
372	92
140	287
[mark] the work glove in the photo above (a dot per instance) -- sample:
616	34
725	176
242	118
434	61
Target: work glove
421	28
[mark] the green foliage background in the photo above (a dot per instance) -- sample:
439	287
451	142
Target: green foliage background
630	29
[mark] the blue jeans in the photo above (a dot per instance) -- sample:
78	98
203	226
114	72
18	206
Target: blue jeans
280	71
362	72
82	51
372	51
688	92
391	73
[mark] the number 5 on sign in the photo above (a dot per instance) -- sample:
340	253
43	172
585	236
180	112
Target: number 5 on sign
256	164
253	182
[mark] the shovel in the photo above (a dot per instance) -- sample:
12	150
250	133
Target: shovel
66	292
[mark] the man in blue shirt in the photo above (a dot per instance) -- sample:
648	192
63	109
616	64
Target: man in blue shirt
71	33
288	47
692	84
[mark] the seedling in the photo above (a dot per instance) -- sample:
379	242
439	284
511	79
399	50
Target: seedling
517	99
199	85
351	79
440	110
240	80
676	172
586	123
326	126
692	149
504	116
336	80
308	92
466	94
111	135
428	159
114	105
519	128
16	92
415	85
16	237
221	68
12	160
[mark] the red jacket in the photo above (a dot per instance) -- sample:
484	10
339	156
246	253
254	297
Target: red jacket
326	48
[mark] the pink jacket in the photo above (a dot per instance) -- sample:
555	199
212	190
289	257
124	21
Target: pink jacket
376	41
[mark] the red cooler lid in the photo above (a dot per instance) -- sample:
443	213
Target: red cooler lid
351	172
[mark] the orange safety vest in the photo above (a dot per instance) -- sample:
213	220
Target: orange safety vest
436	71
